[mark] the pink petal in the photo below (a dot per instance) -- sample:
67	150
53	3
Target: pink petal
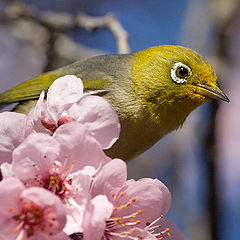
111	177
151	196
64	92
35	156
6	170
6	232
79	146
81	183
75	207
42	236
145	235
74	217
60	236
10	190
99	118
95	218
12	131
35	116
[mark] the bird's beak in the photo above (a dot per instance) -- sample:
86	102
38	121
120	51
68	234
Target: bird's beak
212	92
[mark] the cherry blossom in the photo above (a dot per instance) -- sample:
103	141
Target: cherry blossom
33	213
64	164
128	209
65	103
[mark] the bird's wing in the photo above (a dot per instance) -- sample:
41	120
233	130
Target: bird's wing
32	88
96	73
27	93
29	89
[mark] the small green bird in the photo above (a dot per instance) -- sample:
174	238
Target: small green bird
153	91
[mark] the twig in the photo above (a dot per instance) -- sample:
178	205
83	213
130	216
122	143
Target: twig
60	22
109	21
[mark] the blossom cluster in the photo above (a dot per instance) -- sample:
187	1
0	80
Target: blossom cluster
57	182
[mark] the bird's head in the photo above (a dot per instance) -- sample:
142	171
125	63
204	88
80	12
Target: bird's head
173	78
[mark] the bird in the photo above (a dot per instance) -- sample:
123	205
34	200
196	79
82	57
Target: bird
152	90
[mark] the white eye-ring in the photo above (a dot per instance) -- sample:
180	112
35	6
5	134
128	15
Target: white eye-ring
180	72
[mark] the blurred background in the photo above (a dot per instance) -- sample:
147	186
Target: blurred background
200	163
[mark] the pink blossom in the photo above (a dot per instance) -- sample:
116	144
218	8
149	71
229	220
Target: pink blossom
32	213
6	170
64	164
71	147
12	133
96	215
130	209
65	103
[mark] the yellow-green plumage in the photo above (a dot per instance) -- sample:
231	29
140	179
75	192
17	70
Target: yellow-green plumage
140	87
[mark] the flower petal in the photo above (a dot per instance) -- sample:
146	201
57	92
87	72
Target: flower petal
173	230
42	236
64	92
74	217
143	234
35	156
6	170
95	218
112	176
151	196
79	147
99	117
10	190
7	232
34	117
81	184
12	131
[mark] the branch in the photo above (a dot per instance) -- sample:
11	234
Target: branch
61	22
109	21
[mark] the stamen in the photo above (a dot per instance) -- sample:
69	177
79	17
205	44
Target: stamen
10	209
122	235
31	219
58	180
149	225
123	227
161	235
139	212
127	204
152	228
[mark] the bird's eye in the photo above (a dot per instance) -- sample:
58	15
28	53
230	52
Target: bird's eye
180	72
